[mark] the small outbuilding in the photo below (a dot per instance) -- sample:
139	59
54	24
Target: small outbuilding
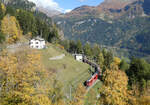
37	43
78	57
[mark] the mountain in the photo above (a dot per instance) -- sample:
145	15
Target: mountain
29	5
24	4
114	4
104	9
110	25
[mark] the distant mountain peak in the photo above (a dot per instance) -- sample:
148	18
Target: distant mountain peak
115	4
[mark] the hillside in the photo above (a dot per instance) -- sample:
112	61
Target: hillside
70	72
20	24
120	27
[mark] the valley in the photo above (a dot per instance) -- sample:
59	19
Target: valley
120	29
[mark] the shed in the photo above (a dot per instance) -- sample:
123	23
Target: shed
78	57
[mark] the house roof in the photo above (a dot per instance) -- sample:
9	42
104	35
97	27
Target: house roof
77	54
39	38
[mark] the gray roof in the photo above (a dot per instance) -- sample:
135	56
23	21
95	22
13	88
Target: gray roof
39	38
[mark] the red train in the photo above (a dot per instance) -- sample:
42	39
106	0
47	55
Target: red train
92	80
95	76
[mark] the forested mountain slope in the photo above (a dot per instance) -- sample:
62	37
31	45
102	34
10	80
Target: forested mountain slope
126	27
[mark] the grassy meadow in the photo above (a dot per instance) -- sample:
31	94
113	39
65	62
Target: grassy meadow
67	70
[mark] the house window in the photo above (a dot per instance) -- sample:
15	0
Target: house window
37	42
37	46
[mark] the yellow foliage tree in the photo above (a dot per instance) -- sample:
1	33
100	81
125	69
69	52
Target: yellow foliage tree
10	27
114	90
79	96
41	100
143	100
3	8
117	60
20	75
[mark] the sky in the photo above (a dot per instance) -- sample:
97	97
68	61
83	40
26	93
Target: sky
65	5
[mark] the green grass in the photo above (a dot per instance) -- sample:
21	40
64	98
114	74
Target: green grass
67	70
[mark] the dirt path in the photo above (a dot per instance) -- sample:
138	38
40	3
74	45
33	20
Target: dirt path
57	57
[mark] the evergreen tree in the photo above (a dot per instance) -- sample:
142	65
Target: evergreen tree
79	47
124	65
2	37
95	52
27	22
108	56
66	44
10	10
42	29
73	47
54	35
139	70
87	50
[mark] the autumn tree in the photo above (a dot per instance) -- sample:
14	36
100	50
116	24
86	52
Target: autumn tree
79	96
114	90
2	10
21	73
101	60
11	28
117	61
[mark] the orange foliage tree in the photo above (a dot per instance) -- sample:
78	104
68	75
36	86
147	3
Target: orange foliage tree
79	96
20	75
114	90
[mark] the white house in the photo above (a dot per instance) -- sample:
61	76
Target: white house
37	43
78	57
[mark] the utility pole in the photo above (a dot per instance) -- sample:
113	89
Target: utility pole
70	91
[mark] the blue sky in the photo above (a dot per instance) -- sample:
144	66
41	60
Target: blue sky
71	4
65	5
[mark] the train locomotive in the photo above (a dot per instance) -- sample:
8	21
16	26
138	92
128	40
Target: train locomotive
92	79
95	76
